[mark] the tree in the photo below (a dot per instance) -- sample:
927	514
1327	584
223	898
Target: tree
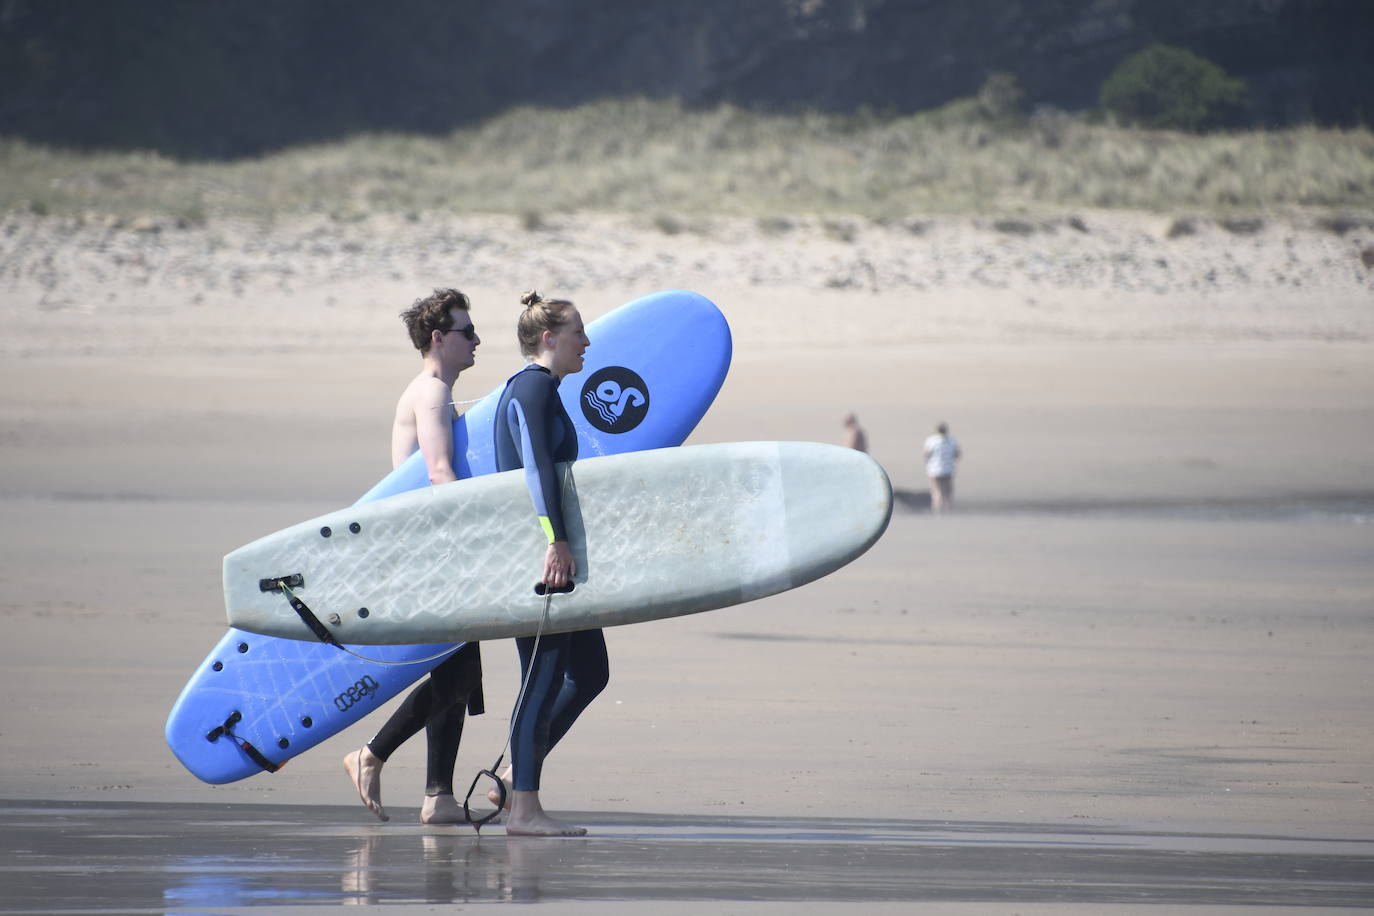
1001	98
1172	88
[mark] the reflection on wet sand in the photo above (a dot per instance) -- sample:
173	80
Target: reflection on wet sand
177	858
453	867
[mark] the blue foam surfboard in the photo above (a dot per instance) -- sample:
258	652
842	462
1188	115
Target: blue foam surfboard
653	368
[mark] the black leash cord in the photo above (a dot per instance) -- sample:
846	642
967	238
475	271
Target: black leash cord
323	634
227	731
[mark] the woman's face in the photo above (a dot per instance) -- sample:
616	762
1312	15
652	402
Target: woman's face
567	345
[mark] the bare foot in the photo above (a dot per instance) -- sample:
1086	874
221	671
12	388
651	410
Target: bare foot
442	809
527	818
494	796
365	769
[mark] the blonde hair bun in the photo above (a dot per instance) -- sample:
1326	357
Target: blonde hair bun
540	315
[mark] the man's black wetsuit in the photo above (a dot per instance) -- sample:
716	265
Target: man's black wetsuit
533	431
438	706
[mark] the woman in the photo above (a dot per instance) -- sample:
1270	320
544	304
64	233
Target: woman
565	671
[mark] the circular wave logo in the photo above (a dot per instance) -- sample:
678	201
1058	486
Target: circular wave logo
615	399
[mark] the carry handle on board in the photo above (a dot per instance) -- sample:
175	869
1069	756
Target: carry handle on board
541	589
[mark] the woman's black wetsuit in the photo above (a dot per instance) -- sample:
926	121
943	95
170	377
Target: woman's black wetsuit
533	431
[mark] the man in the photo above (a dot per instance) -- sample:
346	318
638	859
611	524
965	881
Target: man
941	454
442	330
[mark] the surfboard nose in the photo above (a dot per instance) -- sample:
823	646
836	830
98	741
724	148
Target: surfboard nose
838	503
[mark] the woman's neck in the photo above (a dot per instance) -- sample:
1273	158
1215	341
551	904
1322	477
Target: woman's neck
545	360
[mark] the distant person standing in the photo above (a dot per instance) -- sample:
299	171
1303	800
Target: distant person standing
941	454
854	436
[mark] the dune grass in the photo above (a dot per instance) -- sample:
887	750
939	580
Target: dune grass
656	158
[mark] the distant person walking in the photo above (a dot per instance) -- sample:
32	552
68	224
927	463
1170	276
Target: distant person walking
941	455
854	436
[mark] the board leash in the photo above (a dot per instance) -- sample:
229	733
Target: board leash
227	731
326	637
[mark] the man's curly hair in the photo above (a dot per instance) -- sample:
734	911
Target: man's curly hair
431	314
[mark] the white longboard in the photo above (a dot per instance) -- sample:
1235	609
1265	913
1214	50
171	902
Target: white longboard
655	534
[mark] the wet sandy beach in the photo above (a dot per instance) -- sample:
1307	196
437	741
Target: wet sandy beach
179	858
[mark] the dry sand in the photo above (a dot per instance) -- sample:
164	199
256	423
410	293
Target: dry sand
1154	609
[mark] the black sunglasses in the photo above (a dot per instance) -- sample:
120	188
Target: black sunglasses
470	332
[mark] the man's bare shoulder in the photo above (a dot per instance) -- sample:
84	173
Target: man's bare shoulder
423	409
425	392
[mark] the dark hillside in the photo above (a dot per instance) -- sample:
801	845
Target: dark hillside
234	77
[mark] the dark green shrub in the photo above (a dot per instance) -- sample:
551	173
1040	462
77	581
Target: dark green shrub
1173	89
